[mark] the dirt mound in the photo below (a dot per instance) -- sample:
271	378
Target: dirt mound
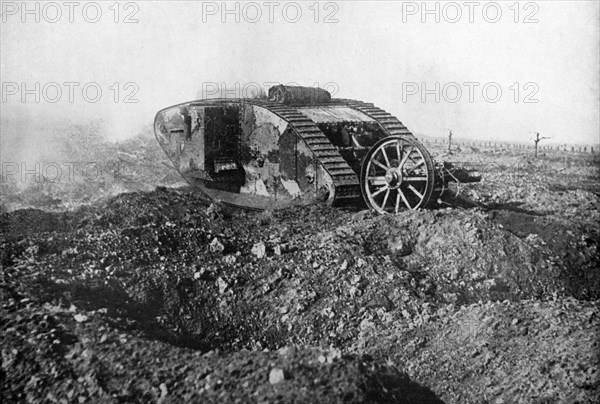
527	351
168	276
74	356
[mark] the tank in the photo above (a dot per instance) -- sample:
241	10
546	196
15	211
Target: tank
300	146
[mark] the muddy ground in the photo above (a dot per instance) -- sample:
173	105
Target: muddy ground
160	296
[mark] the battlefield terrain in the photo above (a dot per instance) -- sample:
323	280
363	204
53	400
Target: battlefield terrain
134	288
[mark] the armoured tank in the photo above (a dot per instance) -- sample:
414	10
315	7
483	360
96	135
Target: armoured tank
300	146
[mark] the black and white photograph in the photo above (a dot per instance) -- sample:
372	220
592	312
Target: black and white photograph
300	201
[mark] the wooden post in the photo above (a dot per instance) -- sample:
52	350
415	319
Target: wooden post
536	141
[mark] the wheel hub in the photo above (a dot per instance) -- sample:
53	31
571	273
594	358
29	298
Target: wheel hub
393	177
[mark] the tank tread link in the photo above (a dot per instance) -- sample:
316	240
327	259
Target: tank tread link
345	181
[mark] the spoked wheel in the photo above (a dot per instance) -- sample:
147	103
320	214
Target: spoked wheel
397	173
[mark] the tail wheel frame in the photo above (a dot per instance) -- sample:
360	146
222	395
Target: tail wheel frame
396	174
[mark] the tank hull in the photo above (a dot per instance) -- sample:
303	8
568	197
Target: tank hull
301	148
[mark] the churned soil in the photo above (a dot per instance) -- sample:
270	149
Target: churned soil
160	296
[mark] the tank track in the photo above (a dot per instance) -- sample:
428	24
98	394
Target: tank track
345	180
389	122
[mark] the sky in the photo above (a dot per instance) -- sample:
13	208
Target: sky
496	71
